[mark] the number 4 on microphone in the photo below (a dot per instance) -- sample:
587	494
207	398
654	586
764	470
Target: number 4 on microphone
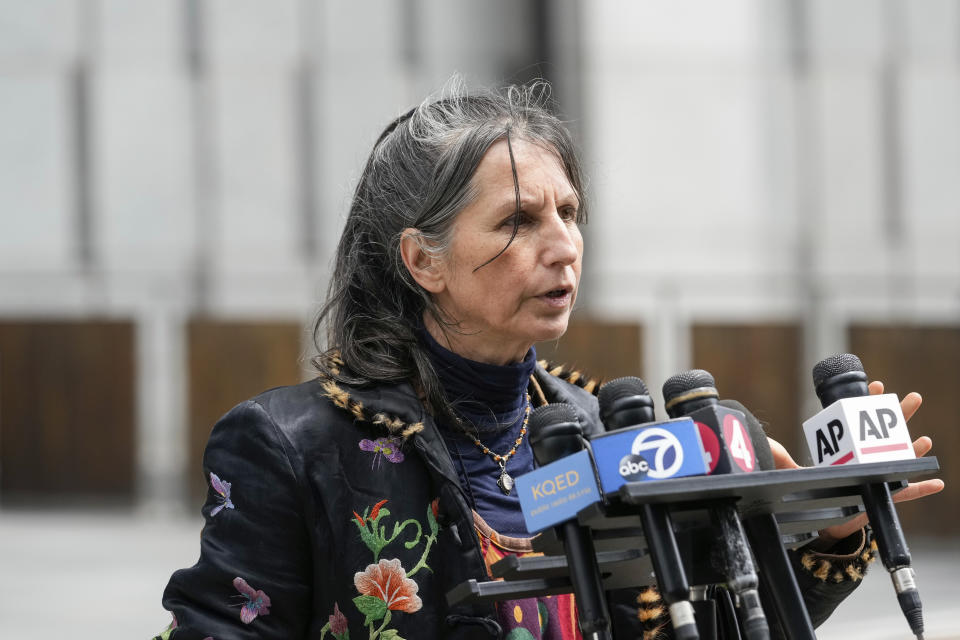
741	448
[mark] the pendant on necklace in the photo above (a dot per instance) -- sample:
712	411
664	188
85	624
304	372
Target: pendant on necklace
505	482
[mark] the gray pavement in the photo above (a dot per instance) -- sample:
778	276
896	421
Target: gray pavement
88	575
100	575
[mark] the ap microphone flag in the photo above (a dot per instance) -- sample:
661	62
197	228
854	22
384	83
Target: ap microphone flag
854	429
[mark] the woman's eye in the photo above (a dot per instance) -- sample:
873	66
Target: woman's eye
519	219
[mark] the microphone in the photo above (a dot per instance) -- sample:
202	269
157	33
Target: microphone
777	579
625	403
555	433
728	449
758	437
856	427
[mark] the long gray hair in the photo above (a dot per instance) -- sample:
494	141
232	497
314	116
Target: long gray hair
419	175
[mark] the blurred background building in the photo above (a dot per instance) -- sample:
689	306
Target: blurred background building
772	181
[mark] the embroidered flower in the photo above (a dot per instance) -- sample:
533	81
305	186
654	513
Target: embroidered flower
168	632
373	514
388	581
388	448
223	489
376	510
338	621
258	603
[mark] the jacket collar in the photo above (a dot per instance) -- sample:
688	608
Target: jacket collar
398	409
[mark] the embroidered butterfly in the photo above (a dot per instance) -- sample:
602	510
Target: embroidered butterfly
258	603
388	448
222	488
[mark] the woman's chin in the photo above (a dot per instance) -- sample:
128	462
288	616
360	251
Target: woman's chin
553	330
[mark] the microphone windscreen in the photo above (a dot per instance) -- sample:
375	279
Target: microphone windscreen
687	381
554	432
758	437
619	388
549	414
834	366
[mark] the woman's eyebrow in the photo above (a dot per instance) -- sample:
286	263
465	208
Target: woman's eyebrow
528	202
570	197
509	204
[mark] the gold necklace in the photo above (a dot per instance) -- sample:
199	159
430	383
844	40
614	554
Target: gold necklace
505	481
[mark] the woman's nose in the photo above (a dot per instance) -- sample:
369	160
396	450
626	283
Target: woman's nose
561	246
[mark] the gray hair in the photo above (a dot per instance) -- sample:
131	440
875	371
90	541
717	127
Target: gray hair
419	176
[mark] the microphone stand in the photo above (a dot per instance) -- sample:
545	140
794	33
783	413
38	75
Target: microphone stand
777	579
668	566
585	576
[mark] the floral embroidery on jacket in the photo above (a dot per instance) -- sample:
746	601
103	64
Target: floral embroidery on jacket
171	629
374	535
388	447
258	603
385	586
387	583
336	625
223	490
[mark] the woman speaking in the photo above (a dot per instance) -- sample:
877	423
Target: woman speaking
347	506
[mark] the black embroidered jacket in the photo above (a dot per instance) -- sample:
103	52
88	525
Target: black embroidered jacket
336	512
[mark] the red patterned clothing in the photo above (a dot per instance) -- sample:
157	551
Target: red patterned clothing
541	618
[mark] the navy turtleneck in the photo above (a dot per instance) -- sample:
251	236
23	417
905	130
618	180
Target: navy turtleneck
493	400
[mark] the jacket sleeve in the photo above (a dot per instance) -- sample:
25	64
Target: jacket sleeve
254	573
827	577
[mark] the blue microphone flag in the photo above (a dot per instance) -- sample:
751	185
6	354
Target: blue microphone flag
657	451
556	492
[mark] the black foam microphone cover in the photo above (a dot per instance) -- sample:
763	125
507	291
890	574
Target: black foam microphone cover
758	437
555	432
839	376
624	402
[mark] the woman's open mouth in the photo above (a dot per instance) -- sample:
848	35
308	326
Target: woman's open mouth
558	298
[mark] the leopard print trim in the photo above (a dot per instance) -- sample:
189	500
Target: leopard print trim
841	568
572	376
342	399
397	427
652	613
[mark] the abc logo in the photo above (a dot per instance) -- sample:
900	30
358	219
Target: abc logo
633	467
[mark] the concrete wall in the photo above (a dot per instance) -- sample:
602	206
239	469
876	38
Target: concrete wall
772	161
160	160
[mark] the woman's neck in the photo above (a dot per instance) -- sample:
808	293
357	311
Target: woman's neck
475	346
486	395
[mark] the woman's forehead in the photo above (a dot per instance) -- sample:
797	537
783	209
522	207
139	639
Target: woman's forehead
539	168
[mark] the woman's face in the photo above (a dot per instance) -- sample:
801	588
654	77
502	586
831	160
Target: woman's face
527	293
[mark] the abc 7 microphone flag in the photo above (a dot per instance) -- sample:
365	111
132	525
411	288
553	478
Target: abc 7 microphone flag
669	449
672	449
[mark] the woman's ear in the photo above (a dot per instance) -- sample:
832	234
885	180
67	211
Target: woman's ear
421	264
